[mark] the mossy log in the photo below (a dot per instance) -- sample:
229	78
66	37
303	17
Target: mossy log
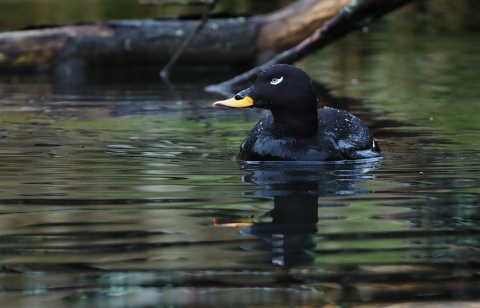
146	42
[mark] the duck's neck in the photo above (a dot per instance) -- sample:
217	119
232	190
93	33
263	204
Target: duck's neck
290	123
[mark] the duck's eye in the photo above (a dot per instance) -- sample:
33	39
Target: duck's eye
276	81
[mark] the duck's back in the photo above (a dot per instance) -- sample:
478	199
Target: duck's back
340	136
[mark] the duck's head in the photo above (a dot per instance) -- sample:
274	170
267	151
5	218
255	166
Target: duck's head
285	90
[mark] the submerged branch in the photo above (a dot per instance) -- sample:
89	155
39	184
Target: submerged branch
173	2
166	69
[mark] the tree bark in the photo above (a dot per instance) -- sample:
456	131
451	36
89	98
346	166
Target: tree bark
286	28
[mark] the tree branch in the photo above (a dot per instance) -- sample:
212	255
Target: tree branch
357	14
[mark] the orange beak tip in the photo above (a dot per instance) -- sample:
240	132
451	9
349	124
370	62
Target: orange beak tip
235	103
218	104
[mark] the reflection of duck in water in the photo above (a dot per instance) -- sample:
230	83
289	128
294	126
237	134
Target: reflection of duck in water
295	130
295	188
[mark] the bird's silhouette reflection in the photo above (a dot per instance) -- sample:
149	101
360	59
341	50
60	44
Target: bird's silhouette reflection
295	189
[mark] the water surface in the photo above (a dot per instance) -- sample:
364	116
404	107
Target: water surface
120	191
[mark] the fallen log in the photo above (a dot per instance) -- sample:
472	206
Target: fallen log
222	41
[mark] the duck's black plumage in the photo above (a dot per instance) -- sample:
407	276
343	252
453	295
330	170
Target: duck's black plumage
296	130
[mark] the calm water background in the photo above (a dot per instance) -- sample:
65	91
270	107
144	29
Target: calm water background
121	191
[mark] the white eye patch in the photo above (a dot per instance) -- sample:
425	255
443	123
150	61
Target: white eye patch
276	81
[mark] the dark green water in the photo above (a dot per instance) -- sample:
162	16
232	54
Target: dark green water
121	192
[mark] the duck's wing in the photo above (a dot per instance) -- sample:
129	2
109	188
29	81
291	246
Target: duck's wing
351	135
246	151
